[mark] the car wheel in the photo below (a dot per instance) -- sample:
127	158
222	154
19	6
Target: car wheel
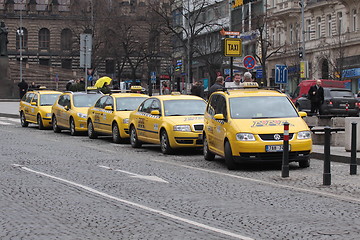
40	122
91	132
229	159
73	131
116	133
135	143
304	163
209	156
165	143
55	125
23	121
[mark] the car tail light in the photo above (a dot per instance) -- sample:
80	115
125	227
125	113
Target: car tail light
329	103
357	104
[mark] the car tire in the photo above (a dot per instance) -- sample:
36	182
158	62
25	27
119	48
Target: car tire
304	163
229	159
23	121
73	131
165	143
40	122
56	128
209	156
134	141
91	131
116	133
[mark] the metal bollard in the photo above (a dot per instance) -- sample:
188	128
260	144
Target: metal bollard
285	159
327	174
353	165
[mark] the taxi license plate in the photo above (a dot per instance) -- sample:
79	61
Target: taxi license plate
342	105
274	148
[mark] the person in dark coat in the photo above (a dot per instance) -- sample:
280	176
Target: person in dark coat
218	85
197	89
316	96
23	87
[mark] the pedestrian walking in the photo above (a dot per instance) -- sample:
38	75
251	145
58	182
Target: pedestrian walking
197	89
236	81
23	87
33	86
316	96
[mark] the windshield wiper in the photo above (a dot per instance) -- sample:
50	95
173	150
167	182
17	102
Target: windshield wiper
263	117
175	115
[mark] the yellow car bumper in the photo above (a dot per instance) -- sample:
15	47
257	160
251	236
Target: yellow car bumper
186	139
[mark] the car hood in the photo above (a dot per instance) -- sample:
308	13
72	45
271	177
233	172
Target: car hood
45	109
269	125
185	119
83	110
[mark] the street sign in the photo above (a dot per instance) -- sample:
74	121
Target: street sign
259	73
85	50
232	47
153	77
229	33
281	74
249	62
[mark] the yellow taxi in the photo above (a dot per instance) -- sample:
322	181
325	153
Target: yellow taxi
173	121
70	111
248	125
110	115
35	107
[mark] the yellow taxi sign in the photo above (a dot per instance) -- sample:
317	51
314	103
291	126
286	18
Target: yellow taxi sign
175	93
237	3
232	47
136	88
250	85
91	88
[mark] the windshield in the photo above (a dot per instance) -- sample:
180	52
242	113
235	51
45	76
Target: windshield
340	93
261	107
85	100
128	103
48	99
184	107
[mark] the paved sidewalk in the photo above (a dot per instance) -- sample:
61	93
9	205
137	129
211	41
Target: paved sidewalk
10	108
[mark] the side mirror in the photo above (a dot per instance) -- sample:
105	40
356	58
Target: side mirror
109	108
219	116
66	107
303	114
155	112
33	103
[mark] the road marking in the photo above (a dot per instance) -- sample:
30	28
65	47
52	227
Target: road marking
105	195
151	178
5	123
344	198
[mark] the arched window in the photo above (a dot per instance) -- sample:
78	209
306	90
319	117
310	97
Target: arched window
24	38
44	39
325	69
66	39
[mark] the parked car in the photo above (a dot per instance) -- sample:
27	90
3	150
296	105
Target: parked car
337	102
35	107
247	125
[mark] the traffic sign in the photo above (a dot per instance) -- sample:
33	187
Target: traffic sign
281	74
259	73
249	62
153	77
232	47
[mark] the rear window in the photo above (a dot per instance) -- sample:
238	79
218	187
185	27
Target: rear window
340	94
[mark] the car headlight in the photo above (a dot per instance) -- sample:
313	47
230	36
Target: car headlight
304	135
245	137
82	115
126	120
182	128
48	115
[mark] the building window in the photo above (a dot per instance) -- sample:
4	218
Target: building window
339	22
44	39
279	36
308	27
272	33
354	20
45	62
328	30
291	34
110	66
318	27
66	39
24	38
66	63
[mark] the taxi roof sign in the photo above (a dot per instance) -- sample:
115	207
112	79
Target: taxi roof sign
250	85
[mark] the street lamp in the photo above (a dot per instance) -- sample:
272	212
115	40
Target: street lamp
20	32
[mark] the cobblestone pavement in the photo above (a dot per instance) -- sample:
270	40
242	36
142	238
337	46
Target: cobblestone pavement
65	187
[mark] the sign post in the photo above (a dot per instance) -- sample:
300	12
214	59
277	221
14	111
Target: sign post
85	53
